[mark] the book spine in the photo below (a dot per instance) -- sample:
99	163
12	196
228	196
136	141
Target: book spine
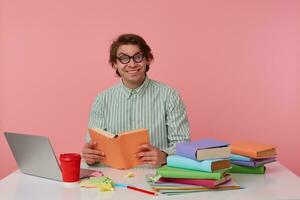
201	182
245	163
247	170
167	172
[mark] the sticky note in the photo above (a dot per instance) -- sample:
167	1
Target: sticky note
153	178
104	183
106	187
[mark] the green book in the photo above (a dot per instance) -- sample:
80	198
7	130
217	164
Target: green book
172	172
246	169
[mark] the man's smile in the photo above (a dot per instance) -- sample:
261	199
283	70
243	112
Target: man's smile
133	71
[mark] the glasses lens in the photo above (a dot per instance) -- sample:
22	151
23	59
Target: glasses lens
124	59
138	57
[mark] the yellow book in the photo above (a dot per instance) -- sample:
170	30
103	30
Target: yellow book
120	150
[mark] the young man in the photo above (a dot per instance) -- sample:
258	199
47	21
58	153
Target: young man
138	102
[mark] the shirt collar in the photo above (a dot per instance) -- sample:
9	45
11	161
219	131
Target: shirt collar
140	90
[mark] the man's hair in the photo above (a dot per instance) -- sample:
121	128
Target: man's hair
133	39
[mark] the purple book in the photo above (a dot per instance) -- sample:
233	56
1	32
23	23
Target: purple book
190	149
253	163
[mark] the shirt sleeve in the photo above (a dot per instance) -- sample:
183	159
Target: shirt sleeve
96	119
177	123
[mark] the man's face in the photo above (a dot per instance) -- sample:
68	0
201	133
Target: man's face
131	64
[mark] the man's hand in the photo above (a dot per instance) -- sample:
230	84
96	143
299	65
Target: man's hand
90	154
149	154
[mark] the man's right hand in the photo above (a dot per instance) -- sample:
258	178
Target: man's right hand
90	154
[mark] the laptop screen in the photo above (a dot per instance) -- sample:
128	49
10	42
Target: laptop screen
34	155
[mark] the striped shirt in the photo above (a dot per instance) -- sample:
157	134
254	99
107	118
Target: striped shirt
152	105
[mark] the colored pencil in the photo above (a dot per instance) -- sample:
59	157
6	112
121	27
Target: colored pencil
141	190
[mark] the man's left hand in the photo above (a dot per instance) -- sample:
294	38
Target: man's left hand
149	154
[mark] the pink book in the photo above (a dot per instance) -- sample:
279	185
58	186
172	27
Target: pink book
211	183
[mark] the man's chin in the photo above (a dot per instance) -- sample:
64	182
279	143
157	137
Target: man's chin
134	79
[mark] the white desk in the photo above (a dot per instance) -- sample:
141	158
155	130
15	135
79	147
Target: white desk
277	183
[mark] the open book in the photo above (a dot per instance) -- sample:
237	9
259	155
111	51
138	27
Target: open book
120	150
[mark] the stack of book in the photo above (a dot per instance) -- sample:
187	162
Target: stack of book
250	157
197	166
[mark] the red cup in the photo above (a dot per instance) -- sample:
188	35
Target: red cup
70	166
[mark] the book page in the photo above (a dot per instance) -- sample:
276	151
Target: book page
103	132
133	131
212	153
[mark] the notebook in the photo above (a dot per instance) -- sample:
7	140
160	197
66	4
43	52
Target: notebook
35	156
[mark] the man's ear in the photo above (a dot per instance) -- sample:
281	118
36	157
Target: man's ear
148	61
115	66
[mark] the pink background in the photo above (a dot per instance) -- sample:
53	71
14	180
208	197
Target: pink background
235	63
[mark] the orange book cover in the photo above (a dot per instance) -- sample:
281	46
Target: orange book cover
120	150
252	149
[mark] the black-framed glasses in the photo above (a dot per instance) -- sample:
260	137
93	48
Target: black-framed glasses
137	58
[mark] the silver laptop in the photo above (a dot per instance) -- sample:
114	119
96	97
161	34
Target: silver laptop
35	156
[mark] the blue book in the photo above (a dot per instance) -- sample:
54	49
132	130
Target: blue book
203	165
203	149
254	163
239	157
